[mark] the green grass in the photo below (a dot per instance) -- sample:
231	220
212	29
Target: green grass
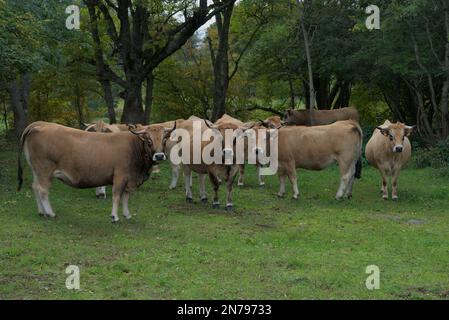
269	248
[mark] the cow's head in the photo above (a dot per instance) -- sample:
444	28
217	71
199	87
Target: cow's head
229	134
273	122
262	132
98	126
154	138
396	133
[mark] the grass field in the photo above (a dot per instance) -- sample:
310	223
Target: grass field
269	248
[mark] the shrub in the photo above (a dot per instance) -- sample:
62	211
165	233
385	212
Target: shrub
435	157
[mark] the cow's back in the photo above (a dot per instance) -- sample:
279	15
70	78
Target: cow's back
82	158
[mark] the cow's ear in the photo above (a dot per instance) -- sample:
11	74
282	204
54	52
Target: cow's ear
384	131
408	130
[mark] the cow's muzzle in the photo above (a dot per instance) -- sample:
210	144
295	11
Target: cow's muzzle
398	149
159	157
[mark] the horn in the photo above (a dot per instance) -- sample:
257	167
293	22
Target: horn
205	121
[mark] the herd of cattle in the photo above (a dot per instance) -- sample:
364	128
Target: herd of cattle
124	156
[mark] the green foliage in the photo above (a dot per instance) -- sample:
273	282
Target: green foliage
435	157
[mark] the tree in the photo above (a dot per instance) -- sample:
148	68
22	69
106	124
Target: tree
19	30
146	35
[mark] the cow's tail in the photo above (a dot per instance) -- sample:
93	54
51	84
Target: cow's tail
358	165
25	134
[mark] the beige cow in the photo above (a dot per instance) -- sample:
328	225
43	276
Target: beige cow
388	150
88	160
215	171
316	148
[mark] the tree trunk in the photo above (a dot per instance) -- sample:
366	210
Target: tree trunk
149	98
322	91
79	106
220	63
109	99
292	93
19	93
312	97
5	115
132	111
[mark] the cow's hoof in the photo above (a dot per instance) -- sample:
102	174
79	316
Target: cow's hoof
172	187
262	184
385	197
295	197
204	200
240	184
114	219
128	217
189	200
229	207
101	196
349	196
280	195
395	198
215	206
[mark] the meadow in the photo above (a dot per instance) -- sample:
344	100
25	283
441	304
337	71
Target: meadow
268	248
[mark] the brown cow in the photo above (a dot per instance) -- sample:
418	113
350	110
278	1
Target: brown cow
174	168
388	150
215	171
273	122
227	119
100	126
87	160
316	148
319	117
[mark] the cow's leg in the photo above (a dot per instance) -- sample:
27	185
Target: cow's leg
281	185
229	183
187	183
117	191
346	175
348	193
261	177
202	184
35	187
294	181
125	200
216	185
100	192
174	176
350	185
384	189
240	183
41	186
40	207
394	184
